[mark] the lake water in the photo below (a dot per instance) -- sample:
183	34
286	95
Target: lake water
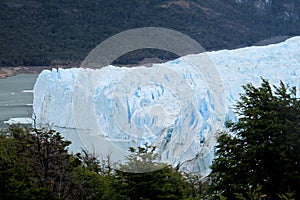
16	97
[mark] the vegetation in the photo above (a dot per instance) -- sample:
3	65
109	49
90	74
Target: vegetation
36	164
261	151
49	32
257	158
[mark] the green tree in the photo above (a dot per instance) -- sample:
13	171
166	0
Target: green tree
51	162
93	178
144	178
262	148
17	180
89	185
35	164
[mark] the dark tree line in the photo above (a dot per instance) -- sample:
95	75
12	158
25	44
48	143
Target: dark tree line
35	164
53	32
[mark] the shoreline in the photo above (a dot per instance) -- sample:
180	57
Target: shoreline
6	72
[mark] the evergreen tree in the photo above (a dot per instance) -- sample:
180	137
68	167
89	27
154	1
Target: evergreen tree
17	180
262	148
35	164
144	178
51	162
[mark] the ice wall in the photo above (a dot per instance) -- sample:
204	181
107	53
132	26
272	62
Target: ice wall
172	105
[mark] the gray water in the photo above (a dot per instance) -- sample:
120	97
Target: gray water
15	97
16	101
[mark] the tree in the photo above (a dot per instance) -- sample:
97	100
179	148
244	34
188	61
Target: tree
51	163
35	164
262	148
93	177
88	185
17	178
144	178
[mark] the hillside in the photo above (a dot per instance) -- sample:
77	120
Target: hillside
49	32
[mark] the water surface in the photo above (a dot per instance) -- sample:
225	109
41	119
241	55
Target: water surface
16	97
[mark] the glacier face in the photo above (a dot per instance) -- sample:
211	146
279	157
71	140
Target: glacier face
176	106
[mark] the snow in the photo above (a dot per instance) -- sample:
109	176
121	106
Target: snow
177	106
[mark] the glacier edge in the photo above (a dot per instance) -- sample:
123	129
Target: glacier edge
133	106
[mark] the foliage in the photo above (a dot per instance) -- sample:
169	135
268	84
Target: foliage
88	184
287	196
35	164
54	32
262	147
152	181
141	160
51	161
17	178
252	194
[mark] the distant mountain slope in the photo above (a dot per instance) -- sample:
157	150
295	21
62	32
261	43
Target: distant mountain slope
46	32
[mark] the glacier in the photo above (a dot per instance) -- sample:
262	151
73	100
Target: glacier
176	106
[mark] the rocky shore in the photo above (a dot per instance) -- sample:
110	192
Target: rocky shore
13	71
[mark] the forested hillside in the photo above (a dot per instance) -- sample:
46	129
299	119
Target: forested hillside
49	32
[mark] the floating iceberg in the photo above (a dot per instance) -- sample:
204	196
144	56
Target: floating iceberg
177	106
19	121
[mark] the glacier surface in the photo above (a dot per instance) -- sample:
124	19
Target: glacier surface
177	106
